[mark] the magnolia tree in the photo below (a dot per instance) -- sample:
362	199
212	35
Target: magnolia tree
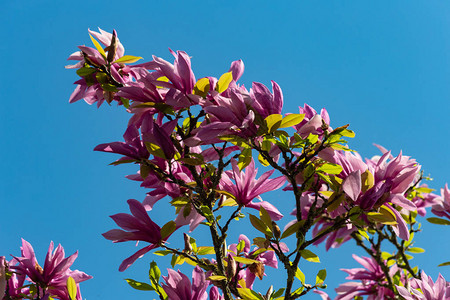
196	143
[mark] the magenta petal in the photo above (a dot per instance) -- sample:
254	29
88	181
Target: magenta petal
130	260
352	185
401	229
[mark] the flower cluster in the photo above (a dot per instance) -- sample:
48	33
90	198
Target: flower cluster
49	281
195	142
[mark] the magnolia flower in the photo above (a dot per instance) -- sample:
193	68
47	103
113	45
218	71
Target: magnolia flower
312	122
442	207
425	289
52	278
132	148
179	287
371	277
247	187
138	227
95	86
264	102
266	258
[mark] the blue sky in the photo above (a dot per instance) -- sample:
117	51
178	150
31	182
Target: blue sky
383	67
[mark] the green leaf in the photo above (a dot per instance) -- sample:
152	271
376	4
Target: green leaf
216	277
312	138
292	229
98	46
273	122
320	278
162	252
127	59
201	88
444	264
265	217
141	286
278	293
203	250
224	82
416	250
155	150
384	216
309	256
291	120
245	158
245	261
84	71
438	221
72	288
168	229
259	225
154	273
363	233
300	276
109	87
247	294
330	168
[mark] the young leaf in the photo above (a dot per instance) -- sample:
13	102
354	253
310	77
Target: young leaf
273	122
291	229
168	229
444	264
224	82
128	59
291	120
98	47
201	88
309	256
320	278
216	277
141	286
300	276
330	168
72	288
265	217
438	221
154	273
259	225
245	261
416	250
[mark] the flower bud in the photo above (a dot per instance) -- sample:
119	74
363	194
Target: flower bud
276	230
187	244
231	268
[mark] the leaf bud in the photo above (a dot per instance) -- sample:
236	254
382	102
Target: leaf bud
187	244
276	230
231	267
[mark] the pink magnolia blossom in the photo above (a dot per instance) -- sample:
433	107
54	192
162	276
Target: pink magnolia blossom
312	122
247	187
267	258
52	278
442	206
371	279
179	287
137	227
425	289
89	87
263	101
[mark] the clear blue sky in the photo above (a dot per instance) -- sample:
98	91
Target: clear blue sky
383	67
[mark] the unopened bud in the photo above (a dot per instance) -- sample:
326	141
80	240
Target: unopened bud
187	244
276	230
269	292
112	47
231	267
